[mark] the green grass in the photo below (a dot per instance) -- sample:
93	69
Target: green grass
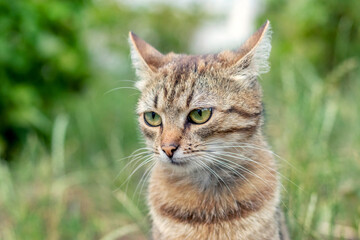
313	124
72	191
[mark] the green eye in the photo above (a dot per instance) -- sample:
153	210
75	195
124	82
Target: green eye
200	116
152	118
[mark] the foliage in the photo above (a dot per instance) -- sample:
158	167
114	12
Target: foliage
42	62
324	33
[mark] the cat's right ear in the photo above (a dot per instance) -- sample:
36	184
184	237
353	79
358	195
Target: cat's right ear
145	58
251	59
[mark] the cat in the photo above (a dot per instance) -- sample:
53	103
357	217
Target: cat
201	116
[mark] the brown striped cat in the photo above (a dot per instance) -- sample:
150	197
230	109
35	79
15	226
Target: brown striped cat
213	175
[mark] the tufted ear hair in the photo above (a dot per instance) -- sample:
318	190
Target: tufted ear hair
145	58
251	59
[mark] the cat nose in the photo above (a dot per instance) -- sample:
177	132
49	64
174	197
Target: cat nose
169	149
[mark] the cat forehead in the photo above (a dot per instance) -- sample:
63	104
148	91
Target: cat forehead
194	64
176	96
189	82
179	84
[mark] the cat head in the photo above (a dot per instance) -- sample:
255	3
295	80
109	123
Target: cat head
191	106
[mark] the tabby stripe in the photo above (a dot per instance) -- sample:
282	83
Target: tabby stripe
180	91
172	95
148	133
243	209
165	92
245	64
249	129
191	94
177	81
204	133
195	67
242	112
155	101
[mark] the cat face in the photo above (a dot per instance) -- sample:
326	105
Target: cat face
193	106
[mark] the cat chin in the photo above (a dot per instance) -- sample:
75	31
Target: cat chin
178	165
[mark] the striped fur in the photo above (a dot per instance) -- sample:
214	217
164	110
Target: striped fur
221	182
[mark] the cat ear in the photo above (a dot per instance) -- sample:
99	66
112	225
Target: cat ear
146	59
251	59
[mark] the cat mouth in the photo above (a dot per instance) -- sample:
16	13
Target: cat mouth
176	162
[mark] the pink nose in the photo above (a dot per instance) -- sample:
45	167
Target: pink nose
169	149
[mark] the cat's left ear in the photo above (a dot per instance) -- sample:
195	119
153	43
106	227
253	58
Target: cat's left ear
146	59
251	59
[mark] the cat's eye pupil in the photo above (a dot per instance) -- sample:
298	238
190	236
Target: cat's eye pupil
200	116
152	119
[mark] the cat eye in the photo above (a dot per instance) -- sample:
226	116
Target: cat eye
200	116
152	119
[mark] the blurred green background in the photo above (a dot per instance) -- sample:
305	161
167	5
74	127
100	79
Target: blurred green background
64	134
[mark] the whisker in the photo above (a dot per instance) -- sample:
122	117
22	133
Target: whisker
249	145
236	172
144	178
262	179
137	155
217	145
245	158
136	169
118	88
134	155
134	160
263	166
242	167
227	166
220	178
125	80
267	169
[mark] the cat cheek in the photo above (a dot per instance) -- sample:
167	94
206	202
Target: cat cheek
150	135
204	133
